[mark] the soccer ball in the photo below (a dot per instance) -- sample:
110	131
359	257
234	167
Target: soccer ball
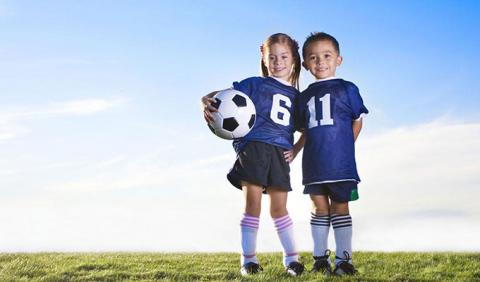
235	116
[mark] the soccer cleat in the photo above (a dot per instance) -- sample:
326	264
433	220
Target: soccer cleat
322	264
295	268
344	267
250	268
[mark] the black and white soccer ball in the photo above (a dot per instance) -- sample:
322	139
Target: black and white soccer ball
235	116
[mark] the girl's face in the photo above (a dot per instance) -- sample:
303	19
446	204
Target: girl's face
279	61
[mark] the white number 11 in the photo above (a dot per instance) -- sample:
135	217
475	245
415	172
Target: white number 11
326	114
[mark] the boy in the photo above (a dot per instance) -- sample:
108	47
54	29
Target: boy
330	113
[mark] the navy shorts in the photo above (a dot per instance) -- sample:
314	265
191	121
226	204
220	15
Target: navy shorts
261	164
343	191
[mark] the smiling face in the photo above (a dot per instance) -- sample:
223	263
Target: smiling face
321	59
279	61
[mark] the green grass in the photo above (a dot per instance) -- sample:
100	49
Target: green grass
372	266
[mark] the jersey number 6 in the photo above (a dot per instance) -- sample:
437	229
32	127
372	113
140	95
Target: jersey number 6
277	109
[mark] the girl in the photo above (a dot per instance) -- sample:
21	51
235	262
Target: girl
263	155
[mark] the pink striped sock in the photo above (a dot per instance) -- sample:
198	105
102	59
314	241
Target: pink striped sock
284	226
250	221
249	227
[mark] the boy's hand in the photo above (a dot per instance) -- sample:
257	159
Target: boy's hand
208	109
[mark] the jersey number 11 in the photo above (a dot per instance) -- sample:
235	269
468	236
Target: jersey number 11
326	114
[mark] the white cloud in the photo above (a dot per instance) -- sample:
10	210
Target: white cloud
84	107
419	193
420	188
10	119
74	107
144	171
422	166
9	130
111	162
7	172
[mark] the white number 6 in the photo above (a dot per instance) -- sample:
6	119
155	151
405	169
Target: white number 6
277	108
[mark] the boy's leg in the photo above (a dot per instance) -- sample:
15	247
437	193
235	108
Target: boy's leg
320	224
342	193
283	224
250	222
342	228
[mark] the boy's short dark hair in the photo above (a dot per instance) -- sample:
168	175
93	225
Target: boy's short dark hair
318	36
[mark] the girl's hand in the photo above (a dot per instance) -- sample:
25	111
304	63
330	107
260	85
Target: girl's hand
289	155
208	109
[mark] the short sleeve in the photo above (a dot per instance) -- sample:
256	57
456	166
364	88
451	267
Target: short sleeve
357	107
246	86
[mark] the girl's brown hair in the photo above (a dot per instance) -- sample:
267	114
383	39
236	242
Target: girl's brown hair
282	38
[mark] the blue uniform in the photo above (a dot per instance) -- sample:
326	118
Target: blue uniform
326	110
274	104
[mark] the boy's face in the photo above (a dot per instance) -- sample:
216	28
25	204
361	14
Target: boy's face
321	59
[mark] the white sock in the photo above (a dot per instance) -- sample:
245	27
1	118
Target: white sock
284	226
249	227
342	228
320	227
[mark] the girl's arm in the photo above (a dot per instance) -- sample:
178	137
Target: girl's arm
207	107
291	154
357	127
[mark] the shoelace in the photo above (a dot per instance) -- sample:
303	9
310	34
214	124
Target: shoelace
347	261
325	256
347	257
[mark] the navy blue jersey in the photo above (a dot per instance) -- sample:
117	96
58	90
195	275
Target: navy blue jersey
274	105
326	110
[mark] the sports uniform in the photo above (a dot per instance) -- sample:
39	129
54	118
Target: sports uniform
326	110
260	157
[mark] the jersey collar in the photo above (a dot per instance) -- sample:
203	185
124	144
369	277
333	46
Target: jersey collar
325	79
281	81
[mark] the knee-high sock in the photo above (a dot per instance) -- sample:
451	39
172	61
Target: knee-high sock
320	225
249	227
342	228
284	226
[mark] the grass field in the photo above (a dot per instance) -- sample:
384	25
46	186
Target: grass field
372	266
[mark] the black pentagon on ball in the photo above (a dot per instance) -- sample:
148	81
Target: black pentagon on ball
217	103
239	101
230	124
251	122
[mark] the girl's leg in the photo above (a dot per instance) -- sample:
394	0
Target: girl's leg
283	224
250	221
342	228
320	225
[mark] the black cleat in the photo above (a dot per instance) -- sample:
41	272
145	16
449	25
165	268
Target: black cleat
295	268
250	268
344	267
322	264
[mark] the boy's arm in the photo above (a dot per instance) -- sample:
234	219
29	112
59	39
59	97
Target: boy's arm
357	127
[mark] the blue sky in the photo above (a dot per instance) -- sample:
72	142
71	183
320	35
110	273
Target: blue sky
100	127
